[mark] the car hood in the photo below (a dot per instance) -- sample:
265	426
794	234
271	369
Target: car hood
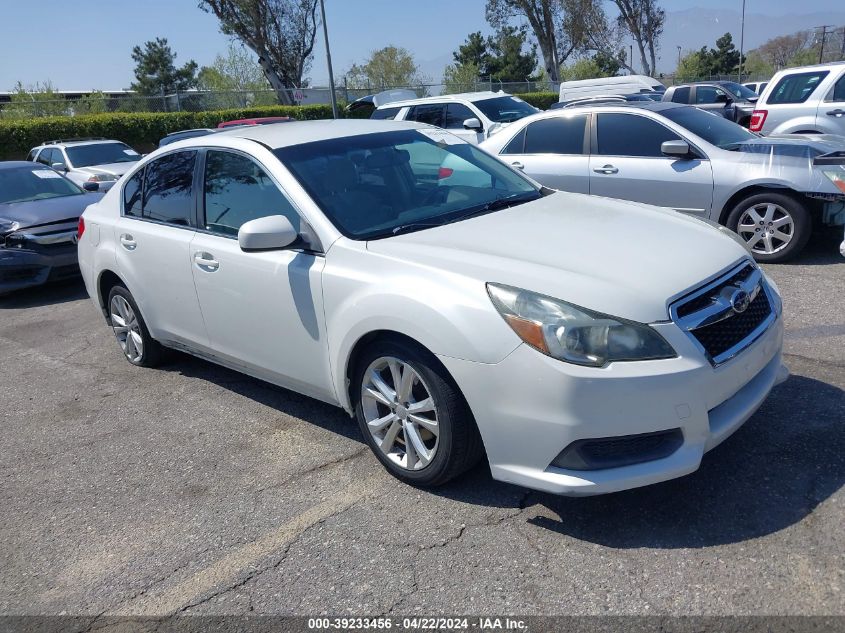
52	210
786	144
115	169
620	258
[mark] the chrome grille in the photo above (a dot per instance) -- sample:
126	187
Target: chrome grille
725	316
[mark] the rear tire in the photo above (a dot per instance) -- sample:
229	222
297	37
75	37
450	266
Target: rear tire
138	347
775	226
404	397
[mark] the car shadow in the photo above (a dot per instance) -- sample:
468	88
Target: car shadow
822	249
49	294
310	410
772	473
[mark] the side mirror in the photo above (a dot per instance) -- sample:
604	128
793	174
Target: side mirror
723	99
473	124
676	149
91	186
59	166
274	232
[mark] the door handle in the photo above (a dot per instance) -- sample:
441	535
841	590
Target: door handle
837	113
206	262
128	242
518	165
607	169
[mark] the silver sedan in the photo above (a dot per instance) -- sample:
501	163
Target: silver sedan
770	190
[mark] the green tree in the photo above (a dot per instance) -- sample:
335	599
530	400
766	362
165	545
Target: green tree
35	100
598	65
236	79
460	78
388	67
156	72
280	32
474	51
508	59
756	65
724	59
694	65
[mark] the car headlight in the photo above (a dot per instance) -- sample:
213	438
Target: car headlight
102	178
574	334
837	178
8	226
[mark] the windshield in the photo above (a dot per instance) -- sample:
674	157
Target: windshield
101	154
377	185
713	128
739	91
27	183
505	109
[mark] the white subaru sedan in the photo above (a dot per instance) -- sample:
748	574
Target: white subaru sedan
583	345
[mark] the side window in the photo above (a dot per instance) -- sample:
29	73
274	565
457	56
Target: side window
167	189
631	135
237	190
838	93
384	113
431	114
681	95
707	94
132	192
456	114
557	135
796	88
45	156
517	144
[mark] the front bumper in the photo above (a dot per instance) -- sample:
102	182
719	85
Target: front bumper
529	407
21	268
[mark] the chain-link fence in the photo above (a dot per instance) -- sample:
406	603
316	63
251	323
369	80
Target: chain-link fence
17	106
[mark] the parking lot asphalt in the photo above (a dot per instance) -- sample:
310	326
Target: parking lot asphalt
193	489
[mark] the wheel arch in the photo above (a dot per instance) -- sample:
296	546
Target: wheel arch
753	190
107	280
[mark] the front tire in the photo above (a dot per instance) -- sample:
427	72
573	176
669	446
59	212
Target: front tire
413	416
130	330
774	226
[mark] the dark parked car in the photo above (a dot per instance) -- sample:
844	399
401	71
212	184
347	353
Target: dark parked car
39	220
183	134
730	99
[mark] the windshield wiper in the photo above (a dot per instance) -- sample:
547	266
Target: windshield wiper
488	207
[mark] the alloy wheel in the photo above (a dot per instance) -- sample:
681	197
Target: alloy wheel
400	413
766	228
126	328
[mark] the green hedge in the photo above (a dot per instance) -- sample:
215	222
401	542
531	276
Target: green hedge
542	100
141	130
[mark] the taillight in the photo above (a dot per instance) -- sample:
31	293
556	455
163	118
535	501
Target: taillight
444	172
80	228
758	118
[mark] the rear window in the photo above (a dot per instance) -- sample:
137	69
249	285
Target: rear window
796	88
681	95
384	113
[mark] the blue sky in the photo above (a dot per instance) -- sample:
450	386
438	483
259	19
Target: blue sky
85	44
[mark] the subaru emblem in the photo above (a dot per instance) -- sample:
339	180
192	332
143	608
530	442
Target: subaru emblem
740	301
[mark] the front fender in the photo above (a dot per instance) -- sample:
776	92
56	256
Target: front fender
450	317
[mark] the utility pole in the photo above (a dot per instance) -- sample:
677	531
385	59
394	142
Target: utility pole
741	41
824	28
679	59
842	52
328	59
632	59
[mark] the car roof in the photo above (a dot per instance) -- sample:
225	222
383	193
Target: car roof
17	164
653	106
79	141
461	96
715	82
801	69
276	135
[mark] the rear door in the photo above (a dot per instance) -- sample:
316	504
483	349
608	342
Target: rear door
626	163
552	152
154	234
831	112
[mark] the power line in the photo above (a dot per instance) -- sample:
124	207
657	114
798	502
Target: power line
824	28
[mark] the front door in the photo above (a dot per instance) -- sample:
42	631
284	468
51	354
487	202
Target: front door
627	163
263	310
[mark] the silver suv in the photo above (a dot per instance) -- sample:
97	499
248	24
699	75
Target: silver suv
805	100
98	160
